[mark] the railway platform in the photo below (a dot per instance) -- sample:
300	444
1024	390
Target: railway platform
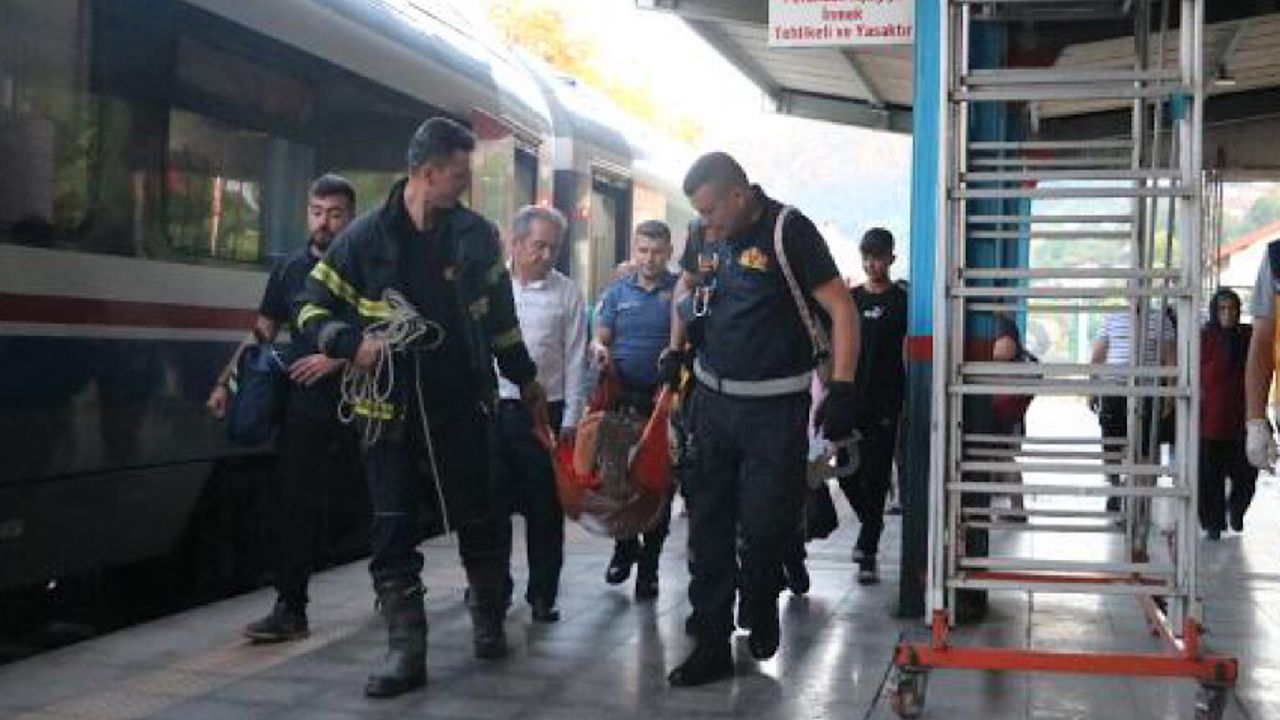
608	657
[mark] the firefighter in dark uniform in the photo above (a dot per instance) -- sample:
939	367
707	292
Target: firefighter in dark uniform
317	453
427	441
753	369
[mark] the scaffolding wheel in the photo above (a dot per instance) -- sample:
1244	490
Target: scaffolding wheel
908	696
1211	701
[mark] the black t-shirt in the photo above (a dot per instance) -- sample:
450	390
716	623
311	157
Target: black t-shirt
753	330
881	378
279	304
448	382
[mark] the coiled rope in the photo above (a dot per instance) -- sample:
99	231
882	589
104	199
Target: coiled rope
403	328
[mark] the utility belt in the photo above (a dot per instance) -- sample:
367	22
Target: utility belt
773	387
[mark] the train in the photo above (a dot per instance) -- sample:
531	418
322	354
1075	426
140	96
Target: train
156	156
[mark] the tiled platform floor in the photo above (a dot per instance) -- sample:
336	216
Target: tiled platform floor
609	656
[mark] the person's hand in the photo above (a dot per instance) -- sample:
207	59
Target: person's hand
669	364
1260	444
309	369
838	410
371	348
217	402
600	354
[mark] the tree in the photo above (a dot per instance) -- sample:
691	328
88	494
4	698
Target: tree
1265	210
538	28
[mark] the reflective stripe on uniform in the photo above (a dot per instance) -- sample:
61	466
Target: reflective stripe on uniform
311	312
331	279
502	341
753	388
375	410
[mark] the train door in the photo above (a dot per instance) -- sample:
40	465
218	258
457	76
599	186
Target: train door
610	220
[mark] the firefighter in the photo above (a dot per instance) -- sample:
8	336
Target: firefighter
751	402
427	439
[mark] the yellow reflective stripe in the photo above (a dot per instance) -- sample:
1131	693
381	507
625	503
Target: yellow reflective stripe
330	278
375	410
310	312
479	308
327	276
507	339
376	309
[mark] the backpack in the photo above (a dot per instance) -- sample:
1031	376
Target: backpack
258	392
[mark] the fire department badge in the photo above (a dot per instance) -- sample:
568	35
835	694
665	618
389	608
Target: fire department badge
754	259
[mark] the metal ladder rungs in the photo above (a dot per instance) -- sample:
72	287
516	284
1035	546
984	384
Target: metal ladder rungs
1066	293
997	488
971	273
1062	468
984	176
1071	145
1050	235
989	367
1036	440
1047	219
1093	529
1036	92
1054	75
1070	192
1041	308
1067	389
1043	512
1109	161
995	453
1014	564
1065	588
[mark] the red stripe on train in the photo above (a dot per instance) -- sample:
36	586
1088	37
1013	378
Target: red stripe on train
62	310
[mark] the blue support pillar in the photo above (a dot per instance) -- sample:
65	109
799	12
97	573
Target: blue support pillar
913	481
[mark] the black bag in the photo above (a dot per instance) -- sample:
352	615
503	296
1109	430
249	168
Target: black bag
819	512
257	395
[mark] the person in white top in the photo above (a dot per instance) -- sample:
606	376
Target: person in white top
553	323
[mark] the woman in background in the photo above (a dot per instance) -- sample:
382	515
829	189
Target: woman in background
1224	347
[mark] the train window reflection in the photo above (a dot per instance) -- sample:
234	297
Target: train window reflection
213	188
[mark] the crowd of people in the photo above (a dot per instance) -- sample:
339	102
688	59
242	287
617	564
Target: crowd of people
488	373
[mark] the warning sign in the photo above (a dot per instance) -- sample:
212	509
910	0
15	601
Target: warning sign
812	23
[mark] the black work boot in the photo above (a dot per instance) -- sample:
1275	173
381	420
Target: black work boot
405	665
488	607
710	661
765	631
646	580
286	621
624	556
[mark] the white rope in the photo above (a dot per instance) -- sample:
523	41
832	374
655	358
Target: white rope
402	328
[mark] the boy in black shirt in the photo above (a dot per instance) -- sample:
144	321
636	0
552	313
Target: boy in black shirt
878	391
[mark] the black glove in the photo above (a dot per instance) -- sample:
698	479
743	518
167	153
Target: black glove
838	410
669	364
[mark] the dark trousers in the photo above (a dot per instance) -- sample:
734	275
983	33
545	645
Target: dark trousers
524	482
647	547
1220	459
868	487
402	489
749	478
317	455
1113	419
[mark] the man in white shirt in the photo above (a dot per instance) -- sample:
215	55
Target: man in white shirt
1114	346
553	323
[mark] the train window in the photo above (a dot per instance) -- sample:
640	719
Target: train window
75	173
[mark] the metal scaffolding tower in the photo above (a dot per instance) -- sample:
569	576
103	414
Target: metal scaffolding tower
993	189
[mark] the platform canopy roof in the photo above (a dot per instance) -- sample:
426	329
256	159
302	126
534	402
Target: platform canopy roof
872	86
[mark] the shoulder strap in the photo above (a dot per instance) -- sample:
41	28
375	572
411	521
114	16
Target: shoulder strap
821	348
